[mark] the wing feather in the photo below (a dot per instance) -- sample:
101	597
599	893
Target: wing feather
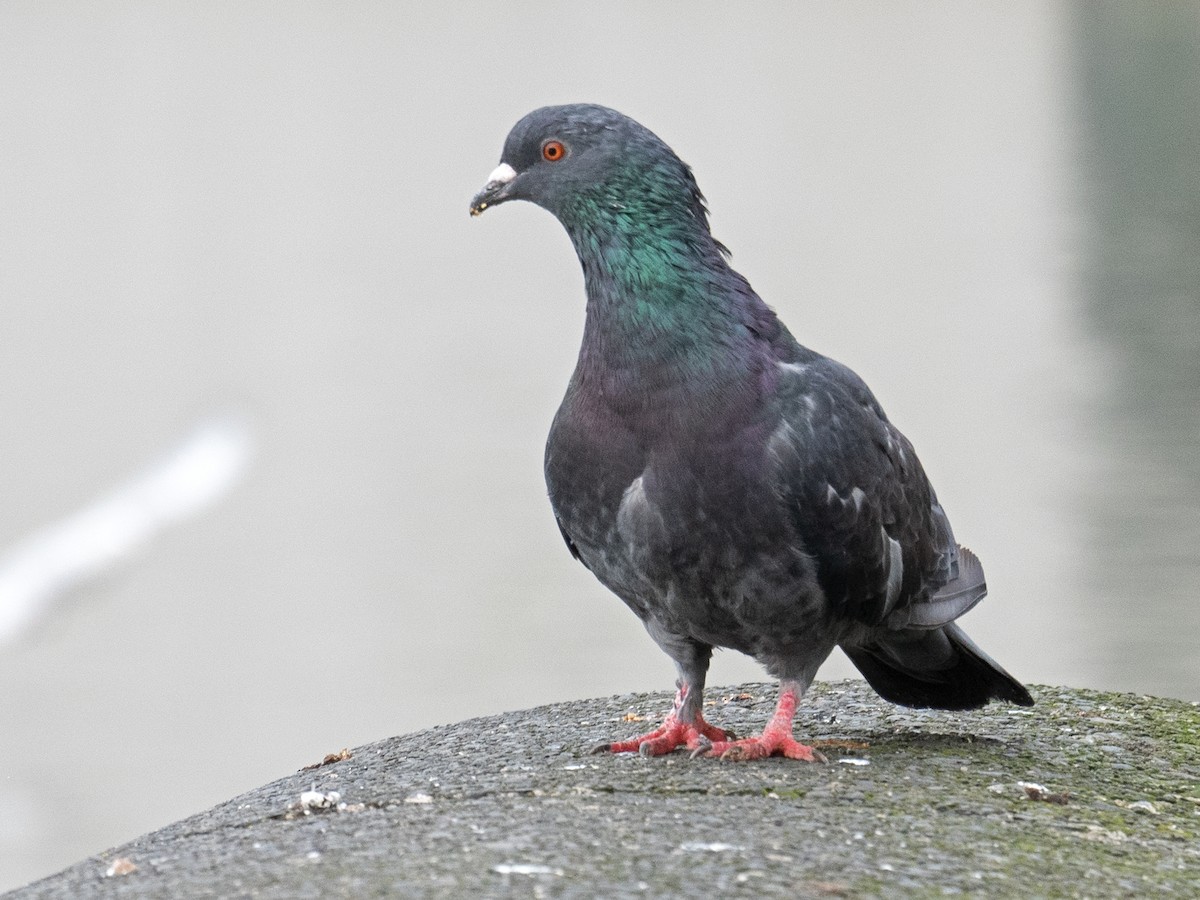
862	507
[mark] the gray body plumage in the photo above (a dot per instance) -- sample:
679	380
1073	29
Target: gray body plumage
734	488
805	524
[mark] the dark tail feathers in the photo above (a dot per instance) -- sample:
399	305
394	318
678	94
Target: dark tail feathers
935	667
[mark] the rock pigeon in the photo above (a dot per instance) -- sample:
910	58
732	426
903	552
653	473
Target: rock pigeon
733	487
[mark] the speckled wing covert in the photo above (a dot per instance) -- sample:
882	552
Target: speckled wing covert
862	506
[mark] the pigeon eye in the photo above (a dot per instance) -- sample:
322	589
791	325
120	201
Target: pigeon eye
553	151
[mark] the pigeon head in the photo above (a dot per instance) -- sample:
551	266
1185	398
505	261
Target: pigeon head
660	291
595	169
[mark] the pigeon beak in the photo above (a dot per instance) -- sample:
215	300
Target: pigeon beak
496	189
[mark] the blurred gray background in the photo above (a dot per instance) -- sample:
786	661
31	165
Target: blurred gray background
256	213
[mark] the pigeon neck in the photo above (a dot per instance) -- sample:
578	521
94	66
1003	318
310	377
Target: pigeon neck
662	306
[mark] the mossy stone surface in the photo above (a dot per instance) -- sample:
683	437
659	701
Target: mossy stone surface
1087	794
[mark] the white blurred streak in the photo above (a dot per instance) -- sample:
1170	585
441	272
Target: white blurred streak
61	556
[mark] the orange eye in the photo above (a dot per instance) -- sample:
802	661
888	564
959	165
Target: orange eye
553	151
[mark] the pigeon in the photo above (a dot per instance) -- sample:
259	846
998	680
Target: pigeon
733	487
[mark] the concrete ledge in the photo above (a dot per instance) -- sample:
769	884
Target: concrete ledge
1085	794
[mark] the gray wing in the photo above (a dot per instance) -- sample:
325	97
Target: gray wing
862	507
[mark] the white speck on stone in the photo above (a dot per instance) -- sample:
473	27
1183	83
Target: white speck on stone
315	799
853	761
1144	806
525	869
313	854
418	798
701	847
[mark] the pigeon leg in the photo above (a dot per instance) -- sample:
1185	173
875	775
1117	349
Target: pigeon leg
776	739
683	727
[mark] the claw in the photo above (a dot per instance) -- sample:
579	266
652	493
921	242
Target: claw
703	746
672	735
767	745
684	726
605	747
776	739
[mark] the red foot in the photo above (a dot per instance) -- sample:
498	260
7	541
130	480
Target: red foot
670	736
766	744
776	739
